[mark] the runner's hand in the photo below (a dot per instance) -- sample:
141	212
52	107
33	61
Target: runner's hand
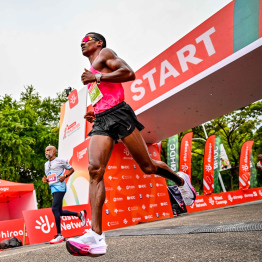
61	178
44	179
90	116
88	77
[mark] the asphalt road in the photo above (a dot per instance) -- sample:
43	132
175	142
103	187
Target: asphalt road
245	245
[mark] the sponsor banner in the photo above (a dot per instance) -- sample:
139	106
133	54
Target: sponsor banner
185	154
13	228
128	189
131	195
40	224
78	183
208	170
253	172
206	45
233	27
72	123
217	164
173	155
224	161
206	202
244	165
116	215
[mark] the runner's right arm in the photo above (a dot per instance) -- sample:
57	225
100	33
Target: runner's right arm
90	116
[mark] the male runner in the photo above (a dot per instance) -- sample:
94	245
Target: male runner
113	119
54	170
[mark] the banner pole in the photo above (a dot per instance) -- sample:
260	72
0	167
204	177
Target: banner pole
222	183
24	236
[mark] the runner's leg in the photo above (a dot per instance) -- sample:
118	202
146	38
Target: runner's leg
66	212
56	207
138	149
100	149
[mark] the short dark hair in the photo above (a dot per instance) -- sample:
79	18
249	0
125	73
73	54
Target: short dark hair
100	37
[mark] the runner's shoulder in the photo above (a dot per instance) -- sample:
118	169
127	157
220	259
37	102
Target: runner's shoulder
107	53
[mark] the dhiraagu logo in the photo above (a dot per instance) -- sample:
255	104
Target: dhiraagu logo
44	224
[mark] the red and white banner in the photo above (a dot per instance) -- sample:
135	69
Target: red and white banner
185	154
225	199
203	47
40	224
72	123
131	195
244	165
208	170
12	228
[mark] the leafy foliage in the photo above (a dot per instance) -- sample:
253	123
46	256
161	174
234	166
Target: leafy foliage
27	127
234	129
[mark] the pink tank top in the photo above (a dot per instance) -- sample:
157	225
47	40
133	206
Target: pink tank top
113	94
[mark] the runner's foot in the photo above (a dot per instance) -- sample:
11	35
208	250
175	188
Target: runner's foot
82	217
90	244
57	239
187	191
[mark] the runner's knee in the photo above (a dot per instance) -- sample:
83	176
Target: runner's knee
96	171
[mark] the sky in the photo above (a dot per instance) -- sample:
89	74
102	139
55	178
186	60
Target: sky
40	39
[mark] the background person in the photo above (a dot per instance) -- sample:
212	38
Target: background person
54	170
113	119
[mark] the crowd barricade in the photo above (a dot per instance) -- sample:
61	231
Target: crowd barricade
211	201
40	224
13	228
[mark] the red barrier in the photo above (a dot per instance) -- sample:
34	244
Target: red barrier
40	224
12	228
206	202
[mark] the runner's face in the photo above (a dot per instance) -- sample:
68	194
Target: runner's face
260	158
89	46
49	152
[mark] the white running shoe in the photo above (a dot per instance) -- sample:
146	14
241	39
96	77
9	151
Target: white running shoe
82	217
57	239
90	244
187	191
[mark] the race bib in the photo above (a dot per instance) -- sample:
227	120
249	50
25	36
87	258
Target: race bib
51	179
94	93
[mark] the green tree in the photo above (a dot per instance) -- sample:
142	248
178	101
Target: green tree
27	127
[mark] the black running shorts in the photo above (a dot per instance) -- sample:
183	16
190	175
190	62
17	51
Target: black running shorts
116	122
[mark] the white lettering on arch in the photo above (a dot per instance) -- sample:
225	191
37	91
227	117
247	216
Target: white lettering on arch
190	58
207	41
171	72
149	76
138	89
